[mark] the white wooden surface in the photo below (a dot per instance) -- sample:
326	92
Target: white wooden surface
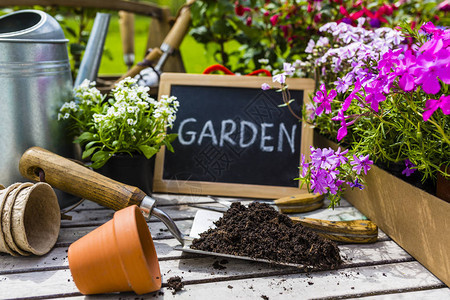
372	271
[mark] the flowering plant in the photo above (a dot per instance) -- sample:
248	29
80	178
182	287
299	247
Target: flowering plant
279	30
384	97
130	121
329	171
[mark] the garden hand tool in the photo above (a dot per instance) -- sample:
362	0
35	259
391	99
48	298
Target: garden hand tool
354	231
169	45
37	163
126	22
290	204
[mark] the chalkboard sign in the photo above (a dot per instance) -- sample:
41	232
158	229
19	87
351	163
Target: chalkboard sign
233	138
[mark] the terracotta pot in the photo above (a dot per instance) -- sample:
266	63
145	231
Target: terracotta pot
134	170
118	256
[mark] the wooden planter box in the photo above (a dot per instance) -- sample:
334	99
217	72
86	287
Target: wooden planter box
416	220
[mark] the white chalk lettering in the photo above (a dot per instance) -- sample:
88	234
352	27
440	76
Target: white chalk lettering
208	127
242	135
192	134
290	139
225	135
265	137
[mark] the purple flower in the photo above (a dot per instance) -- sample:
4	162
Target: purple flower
288	69
355	184
304	166
432	105
323	158
324	99
405	71
281	78
409	165
363	162
265	86
352	95
319	182
342	84
340	156
429	67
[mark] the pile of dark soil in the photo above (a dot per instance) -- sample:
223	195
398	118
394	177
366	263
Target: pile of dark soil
175	284
259	231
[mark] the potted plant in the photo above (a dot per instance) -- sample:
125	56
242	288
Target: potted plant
385	94
122	131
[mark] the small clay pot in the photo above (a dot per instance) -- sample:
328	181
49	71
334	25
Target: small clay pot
118	256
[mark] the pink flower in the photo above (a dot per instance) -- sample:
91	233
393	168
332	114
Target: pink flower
324	99
429	67
265	86
274	19
432	105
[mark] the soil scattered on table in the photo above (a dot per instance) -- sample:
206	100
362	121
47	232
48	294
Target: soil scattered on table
175	284
259	231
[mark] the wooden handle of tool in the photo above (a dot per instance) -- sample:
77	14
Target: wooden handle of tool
300	199
355	231
76	179
179	29
126	22
154	55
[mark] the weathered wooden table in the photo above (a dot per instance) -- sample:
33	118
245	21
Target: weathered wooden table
382	269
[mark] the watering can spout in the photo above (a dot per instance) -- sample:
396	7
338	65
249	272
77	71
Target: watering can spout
94	49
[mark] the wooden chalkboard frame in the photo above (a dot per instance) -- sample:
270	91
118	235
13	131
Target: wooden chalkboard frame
228	189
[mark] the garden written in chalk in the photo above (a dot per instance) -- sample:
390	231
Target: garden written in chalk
241	134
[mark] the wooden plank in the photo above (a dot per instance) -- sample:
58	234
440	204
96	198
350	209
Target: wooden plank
443	293
183	212
141	8
353	255
157	229
346	282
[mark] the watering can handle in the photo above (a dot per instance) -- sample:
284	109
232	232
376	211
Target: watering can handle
76	179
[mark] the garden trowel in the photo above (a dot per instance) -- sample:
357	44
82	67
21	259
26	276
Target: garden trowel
346	231
39	164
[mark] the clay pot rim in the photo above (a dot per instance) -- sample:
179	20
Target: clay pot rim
136	263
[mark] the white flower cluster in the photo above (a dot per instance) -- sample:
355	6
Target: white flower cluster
166	108
86	94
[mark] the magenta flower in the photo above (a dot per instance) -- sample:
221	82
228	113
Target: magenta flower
404	70
430	67
340	156
274	19
409	165
324	99
432	105
361	163
352	95
375	94
342	131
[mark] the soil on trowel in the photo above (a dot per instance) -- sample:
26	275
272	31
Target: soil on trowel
259	231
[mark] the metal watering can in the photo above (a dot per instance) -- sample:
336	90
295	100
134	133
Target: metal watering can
35	80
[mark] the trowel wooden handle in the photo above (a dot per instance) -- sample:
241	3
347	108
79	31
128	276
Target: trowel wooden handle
126	22
356	231
75	179
299	199
154	56
179	29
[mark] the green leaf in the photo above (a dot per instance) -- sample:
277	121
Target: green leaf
89	152
100	155
148	151
90	144
84	137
